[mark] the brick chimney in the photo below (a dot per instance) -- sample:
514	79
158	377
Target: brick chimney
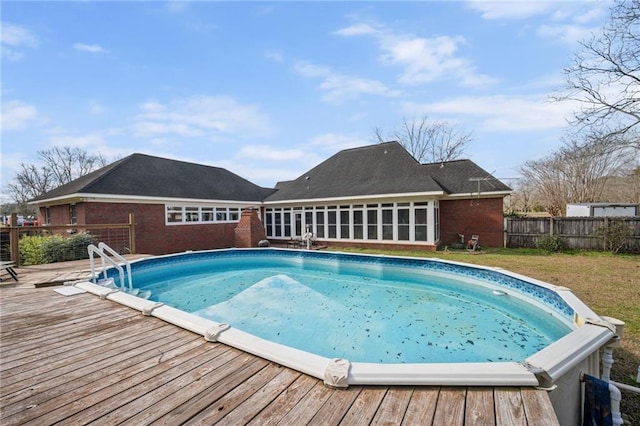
250	230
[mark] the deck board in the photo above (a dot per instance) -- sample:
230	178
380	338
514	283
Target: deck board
83	360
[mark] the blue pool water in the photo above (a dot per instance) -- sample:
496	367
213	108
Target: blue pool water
363	308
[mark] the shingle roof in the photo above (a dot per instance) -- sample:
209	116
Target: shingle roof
463	176
148	176
380	169
385	168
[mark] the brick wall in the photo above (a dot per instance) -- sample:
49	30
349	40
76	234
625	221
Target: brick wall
250	230
483	217
153	236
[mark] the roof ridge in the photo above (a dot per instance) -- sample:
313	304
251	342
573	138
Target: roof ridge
456	160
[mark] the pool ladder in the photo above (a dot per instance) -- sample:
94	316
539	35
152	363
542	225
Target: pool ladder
104	252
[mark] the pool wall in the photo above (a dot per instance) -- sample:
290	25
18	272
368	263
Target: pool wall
556	367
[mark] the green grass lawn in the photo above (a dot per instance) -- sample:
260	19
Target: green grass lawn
608	284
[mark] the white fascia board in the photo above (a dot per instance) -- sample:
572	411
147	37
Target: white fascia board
355	198
111	198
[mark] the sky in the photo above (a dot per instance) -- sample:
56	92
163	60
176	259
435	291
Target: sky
269	90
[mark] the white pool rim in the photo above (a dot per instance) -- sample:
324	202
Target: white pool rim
546	366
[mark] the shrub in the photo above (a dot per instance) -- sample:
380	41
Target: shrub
31	250
36	250
552	244
614	235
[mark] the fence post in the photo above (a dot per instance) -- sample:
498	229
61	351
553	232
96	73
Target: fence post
551	226
504	232
132	233
14	237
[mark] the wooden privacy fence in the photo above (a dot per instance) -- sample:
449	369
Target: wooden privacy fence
120	237
577	232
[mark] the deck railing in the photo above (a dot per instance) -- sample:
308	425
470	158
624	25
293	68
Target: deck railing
119	236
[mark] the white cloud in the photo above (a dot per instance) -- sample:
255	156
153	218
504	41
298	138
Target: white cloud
502	113
209	116
592	15
307	69
423	60
176	6
13	37
511	9
256	162
569	34
356	29
274	55
568	22
88	141
17	115
339	87
271	153
96	108
426	60
332	142
91	48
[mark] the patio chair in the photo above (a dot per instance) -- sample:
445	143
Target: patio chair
474	243
8	266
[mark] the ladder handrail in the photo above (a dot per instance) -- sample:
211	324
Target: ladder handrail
102	246
92	249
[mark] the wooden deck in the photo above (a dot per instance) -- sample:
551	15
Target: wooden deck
82	360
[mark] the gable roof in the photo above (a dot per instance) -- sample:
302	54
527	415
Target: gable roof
147	176
385	168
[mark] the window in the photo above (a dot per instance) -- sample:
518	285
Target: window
269	223
331	221
207	214
73	214
308	221
372	224
420	219
47	216
357	224
320	223
387	223
192	214
221	214
344	222
278	223
297	218
174	214
287	224
403	221
403	224
204	215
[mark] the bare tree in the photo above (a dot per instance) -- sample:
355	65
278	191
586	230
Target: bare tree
577	173
428	141
546	176
69	163
60	165
524	196
605	77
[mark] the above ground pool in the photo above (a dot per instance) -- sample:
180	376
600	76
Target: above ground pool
364	319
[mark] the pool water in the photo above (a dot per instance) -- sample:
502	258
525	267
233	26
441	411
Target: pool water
358	312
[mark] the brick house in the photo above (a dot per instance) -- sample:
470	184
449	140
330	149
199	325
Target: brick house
376	196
